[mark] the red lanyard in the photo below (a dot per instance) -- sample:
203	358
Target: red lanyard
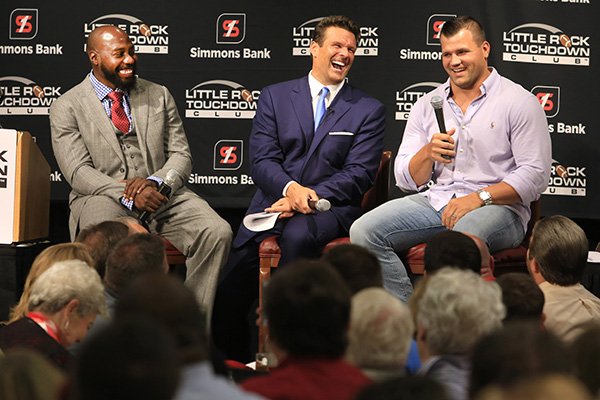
45	323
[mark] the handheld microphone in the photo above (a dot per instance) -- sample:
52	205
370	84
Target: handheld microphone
320	205
438	107
164	189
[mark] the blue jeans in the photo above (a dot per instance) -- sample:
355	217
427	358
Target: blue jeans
402	223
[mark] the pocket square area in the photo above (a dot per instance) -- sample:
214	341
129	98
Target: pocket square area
341	133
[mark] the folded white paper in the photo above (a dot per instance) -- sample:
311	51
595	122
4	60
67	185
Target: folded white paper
262	221
593	257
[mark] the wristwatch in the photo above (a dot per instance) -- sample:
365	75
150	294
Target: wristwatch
485	196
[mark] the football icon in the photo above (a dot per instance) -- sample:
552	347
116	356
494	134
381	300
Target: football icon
145	30
38	91
565	40
561	171
246	95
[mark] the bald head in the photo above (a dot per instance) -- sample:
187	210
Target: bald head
103	34
112	56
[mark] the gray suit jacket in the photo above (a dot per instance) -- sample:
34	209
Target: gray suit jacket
88	152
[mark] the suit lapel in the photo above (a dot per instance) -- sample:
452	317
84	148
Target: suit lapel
337	109
301	101
100	119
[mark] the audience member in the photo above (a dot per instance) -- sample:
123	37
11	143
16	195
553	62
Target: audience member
27	375
128	359
134	256
456	309
64	303
405	388
556	259
307	310
586	357
452	249
357	266
360	269
179	314
50	255
101	239
519	351
522	298
549	387
381	331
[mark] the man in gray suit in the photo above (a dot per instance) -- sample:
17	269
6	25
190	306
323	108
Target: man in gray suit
115	138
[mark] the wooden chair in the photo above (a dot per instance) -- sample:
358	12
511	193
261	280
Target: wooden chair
503	261
175	259
269	252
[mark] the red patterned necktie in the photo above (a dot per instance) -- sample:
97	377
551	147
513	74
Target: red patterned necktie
117	112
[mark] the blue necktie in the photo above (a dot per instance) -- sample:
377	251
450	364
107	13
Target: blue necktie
321	107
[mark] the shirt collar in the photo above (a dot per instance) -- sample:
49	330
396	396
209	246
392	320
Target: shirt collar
488	84
101	89
316	86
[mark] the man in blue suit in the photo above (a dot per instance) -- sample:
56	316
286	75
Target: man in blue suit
312	138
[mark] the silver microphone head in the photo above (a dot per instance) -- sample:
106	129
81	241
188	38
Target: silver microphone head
437	102
322	205
171	177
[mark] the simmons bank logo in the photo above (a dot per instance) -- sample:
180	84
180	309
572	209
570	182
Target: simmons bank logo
549	98
231	30
545	44
566	180
433	30
148	39
368	43
228	155
407	97
23	24
434	27
220	99
22	96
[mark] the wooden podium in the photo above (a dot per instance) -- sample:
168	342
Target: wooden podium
24	189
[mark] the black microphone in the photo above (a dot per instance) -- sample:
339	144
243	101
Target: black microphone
438	107
320	205
164	189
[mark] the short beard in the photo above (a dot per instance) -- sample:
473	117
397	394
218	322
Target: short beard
114	78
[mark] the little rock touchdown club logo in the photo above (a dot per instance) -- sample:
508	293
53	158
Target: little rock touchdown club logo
368	43
148	39
22	96
566	180
545	44
220	99
407	97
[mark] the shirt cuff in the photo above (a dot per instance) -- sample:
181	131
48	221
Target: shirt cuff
285	188
156	179
127	203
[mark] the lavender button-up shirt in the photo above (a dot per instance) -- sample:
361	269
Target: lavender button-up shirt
502	137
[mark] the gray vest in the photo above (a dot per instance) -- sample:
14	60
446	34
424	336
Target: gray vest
133	156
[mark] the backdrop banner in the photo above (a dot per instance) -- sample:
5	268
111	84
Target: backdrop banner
215	57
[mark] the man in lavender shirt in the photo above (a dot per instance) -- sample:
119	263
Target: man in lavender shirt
491	164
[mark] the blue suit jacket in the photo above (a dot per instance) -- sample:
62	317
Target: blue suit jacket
338	161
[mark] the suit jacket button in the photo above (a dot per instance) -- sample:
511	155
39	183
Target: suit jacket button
122	170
